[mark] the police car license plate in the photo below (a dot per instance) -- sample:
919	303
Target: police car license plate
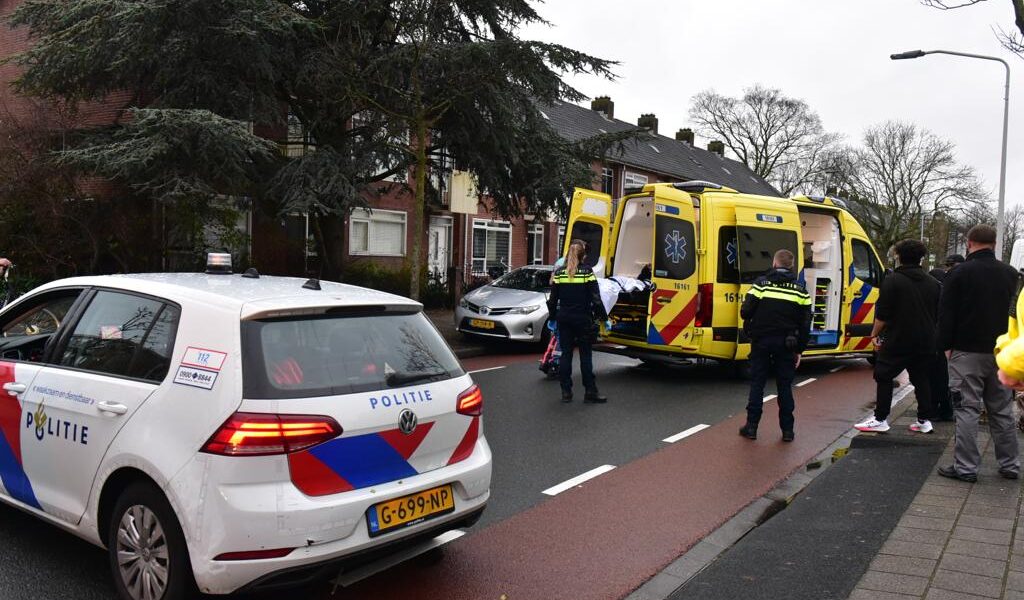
481	324
410	510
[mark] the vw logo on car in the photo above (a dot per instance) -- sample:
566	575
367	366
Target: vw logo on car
407	422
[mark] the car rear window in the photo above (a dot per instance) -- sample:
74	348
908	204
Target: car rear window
342	354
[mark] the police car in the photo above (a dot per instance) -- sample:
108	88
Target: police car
234	432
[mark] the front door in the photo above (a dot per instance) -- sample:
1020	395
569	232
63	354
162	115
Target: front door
114	359
673	304
439	248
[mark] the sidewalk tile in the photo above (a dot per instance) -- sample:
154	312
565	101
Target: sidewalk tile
939	594
1017	562
891	582
935	524
920	536
904	565
995	512
968	584
972	564
863	594
992	500
985	536
986	523
913	549
948	491
977	549
933	500
938	512
1013	595
1015	581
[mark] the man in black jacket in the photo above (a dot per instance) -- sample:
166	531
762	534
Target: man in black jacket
905	316
976	300
777	318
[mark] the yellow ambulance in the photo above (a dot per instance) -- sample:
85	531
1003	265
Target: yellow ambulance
702	245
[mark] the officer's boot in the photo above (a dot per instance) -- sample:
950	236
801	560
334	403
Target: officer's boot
594	397
749	431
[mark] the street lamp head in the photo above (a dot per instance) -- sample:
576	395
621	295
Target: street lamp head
906	55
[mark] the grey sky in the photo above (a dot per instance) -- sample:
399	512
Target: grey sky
832	53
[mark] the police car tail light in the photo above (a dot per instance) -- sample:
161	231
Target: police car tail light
470	402
705	304
256	434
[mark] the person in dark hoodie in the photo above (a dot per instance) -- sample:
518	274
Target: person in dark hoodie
904	333
777	318
976	301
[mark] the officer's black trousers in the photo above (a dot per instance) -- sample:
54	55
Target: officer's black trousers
573	333
768	354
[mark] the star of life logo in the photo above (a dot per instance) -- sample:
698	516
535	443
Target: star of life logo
675	247
730	252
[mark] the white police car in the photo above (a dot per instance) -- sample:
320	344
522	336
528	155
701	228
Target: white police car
235	432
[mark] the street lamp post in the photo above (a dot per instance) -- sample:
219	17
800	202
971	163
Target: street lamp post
1000	219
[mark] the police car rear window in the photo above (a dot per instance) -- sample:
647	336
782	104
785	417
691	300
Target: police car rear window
342	354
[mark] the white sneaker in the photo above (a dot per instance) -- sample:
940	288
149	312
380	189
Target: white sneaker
872	424
921	427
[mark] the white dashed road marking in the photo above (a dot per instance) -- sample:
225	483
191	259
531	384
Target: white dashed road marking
769	398
575	481
837	369
685	434
806	381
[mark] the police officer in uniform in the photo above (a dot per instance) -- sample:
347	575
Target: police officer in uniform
574	302
777	318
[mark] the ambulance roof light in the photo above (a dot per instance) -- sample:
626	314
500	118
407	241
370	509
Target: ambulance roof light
696	186
218	263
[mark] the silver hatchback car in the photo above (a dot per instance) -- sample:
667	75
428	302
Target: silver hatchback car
513	307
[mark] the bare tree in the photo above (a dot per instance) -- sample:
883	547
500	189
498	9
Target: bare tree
902	177
1012	40
779	138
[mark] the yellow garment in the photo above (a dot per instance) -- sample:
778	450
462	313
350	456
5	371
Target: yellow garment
1010	345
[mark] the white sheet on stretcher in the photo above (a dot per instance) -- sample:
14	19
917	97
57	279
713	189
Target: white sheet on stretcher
613	286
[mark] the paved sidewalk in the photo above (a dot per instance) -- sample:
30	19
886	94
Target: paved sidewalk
957	541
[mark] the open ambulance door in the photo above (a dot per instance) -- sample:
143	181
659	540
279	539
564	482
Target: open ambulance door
762	228
590	218
673	304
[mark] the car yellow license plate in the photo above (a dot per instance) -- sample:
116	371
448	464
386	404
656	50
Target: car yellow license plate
410	510
481	324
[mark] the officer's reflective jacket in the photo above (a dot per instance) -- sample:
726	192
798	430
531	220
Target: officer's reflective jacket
575	295
777	305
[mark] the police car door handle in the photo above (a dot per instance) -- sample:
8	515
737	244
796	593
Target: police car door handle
112	407
14	388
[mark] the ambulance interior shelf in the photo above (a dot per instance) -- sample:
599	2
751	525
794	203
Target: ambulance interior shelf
822	274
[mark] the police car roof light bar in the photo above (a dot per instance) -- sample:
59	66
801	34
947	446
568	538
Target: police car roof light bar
218	263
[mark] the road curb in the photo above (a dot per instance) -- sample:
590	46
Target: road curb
706	551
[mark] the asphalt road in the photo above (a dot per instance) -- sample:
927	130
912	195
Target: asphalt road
537	443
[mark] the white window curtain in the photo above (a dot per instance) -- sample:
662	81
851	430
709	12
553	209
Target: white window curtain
377	233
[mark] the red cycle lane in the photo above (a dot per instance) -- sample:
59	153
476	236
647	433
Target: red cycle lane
604	539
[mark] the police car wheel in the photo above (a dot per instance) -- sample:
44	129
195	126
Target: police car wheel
146	547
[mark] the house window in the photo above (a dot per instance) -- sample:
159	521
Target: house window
535	244
608	181
377	233
561	241
492	247
633	180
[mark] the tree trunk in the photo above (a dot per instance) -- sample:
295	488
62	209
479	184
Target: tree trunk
416	253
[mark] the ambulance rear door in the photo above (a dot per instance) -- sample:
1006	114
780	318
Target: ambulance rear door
762	228
590	218
673	304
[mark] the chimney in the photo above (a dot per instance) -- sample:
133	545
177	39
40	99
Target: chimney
649	122
685	135
603	105
717	147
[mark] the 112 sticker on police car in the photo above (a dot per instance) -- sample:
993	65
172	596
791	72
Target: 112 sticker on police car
199	367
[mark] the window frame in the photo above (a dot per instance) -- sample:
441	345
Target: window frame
608	181
561	242
70	325
487	225
355	219
535	242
